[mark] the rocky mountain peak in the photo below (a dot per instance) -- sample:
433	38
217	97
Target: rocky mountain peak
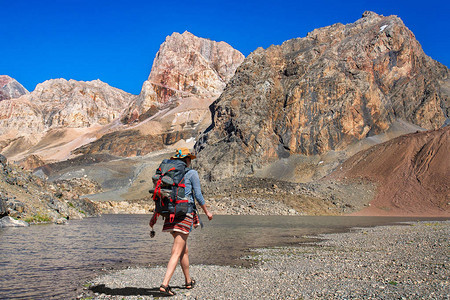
194	65
338	85
61	102
10	88
186	66
370	14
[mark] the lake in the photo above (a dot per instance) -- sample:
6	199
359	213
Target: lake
54	261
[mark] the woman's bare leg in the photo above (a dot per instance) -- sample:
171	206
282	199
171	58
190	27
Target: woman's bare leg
179	244
184	262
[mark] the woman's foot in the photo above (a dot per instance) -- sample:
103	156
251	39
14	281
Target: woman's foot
166	290
190	285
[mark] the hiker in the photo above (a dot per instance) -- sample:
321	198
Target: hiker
182	225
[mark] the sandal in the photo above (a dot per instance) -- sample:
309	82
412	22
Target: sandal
190	285
166	290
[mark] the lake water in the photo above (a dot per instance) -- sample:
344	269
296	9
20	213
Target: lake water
53	261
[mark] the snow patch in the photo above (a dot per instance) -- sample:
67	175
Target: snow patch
383	28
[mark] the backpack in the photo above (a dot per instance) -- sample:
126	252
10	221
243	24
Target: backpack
169	189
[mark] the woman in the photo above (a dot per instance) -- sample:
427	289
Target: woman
181	227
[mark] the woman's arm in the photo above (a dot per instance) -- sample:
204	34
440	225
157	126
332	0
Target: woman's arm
197	191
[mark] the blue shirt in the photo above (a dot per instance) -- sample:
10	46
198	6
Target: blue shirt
193	189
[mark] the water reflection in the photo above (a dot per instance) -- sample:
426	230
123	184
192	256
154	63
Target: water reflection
51	261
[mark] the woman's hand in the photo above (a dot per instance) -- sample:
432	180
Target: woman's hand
206	211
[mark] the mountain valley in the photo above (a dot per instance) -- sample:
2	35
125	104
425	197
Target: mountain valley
351	119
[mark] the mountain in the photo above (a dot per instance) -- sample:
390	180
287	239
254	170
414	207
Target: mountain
60	116
288	116
323	93
186	66
187	75
10	88
62	103
58	111
411	172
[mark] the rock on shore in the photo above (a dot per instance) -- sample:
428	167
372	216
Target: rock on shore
390	262
11	222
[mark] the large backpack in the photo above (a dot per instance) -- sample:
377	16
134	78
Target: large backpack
169	189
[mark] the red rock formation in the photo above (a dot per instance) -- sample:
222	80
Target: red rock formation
125	143
31	162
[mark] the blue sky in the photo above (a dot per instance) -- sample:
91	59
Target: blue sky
116	41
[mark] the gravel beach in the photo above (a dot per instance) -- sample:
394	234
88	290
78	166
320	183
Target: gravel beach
388	262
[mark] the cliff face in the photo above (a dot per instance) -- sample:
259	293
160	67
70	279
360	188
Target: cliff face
185	66
10	88
311	95
62	103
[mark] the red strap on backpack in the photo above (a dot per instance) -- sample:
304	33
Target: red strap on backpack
157	191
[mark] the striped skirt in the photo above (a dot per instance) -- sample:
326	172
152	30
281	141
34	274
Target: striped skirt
183	224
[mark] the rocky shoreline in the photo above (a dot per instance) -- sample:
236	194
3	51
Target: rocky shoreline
267	196
29	198
388	262
263	196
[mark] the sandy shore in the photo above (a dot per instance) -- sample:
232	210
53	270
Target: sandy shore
389	262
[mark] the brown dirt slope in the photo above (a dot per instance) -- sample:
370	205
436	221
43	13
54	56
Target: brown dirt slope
412	173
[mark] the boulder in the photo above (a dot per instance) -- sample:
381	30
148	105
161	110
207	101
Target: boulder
14	207
11	222
3	208
3	160
61	221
